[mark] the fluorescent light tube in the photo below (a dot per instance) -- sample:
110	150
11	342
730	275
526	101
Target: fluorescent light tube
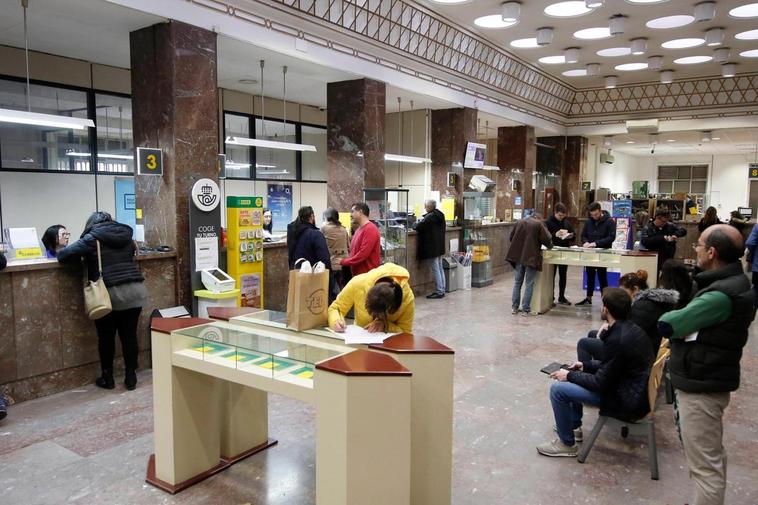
490	167
270	144
110	156
406	159
37	119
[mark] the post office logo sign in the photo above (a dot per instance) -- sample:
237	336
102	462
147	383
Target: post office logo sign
205	195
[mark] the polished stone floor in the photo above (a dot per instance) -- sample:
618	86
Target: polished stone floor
91	446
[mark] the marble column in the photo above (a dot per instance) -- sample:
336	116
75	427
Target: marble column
571	159
355	120
451	130
175	108
517	159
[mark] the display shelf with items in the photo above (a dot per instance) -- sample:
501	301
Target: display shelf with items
244	251
478	246
388	209
478	207
675	206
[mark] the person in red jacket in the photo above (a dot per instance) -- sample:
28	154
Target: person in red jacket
365	253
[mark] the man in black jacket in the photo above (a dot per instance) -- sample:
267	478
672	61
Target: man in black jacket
599	232
431	244
563	235
660	235
617	384
707	337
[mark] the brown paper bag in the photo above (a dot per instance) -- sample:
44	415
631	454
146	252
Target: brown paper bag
307	300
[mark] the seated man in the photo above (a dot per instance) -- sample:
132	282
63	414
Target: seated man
618	383
382	298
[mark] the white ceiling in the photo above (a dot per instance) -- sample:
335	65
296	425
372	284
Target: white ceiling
729	141
533	17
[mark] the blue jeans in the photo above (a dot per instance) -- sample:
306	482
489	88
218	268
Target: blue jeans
435	264
522	272
567	399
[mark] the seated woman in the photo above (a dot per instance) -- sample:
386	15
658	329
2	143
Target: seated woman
647	306
54	239
382	299
268	225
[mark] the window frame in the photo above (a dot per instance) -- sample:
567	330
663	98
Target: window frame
690	180
92	133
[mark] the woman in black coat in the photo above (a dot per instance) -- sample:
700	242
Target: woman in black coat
306	241
125	288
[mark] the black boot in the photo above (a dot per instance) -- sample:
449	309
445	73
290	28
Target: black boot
106	381
130	379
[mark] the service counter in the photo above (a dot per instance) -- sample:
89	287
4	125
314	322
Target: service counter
47	343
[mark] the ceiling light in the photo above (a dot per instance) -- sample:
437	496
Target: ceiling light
667	77
617	24
50	120
638	46
745	11
593	4
101	155
748	35
614	51
630	141
607	141
692	60
544	36
406	159
721	55
577	72
553	60
670	140
269	144
655	62
567	9
511	12
728	70
571	54
493	21
715	138
714	37
670	22
752	53
611	81
524	43
705	11
705	136
683	43
248	81
593	69
628	67
593	33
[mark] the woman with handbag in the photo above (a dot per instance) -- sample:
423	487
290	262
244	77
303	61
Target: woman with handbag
109	250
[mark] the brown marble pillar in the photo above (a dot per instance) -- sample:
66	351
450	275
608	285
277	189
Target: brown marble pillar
516	158
355	120
571	158
451	130
175	108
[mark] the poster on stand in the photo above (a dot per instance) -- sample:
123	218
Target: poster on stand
279	202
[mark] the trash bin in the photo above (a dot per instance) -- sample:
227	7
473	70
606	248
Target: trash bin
206	298
451	274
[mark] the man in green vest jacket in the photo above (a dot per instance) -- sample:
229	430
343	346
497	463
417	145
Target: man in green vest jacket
707	337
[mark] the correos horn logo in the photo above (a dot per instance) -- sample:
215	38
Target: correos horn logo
206	195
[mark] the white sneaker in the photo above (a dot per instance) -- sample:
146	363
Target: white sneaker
557	449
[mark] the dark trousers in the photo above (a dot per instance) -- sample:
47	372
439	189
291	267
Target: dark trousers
589	348
125	323
755	287
602	275
561	271
335	284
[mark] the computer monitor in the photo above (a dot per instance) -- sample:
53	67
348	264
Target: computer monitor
745	212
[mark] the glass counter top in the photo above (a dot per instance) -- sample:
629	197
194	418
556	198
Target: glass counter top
278	319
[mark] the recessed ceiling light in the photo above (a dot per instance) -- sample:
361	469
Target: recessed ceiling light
567	9
683	43
525	43
670	140
628	67
593	4
577	72
691	60
553	60
614	51
602	32
745	11
630	141
748	35
670	22
752	53
715	138
493	21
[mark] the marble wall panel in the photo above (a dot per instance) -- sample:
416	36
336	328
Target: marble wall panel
451	129
275	276
78	335
517	158
8	363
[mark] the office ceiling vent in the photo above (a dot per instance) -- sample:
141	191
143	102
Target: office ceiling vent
642	126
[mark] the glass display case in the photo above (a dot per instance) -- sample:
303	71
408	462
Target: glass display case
276	356
388	208
478	207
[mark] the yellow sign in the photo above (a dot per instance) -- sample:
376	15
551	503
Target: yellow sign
448	208
29	252
138	213
345	220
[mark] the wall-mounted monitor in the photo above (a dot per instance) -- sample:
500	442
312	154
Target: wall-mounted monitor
474	155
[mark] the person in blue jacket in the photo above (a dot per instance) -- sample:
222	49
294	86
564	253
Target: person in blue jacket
752	258
599	232
306	241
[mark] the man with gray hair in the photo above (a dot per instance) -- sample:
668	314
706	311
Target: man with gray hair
431	244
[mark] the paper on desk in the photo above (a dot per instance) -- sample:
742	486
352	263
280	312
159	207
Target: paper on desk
23	238
355	334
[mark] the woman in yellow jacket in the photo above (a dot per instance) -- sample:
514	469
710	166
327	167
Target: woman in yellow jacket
382	298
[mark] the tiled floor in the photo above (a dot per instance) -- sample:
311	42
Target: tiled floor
91	446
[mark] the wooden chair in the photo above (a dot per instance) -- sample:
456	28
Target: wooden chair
654	382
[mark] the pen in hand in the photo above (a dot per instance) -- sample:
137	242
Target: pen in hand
339	325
